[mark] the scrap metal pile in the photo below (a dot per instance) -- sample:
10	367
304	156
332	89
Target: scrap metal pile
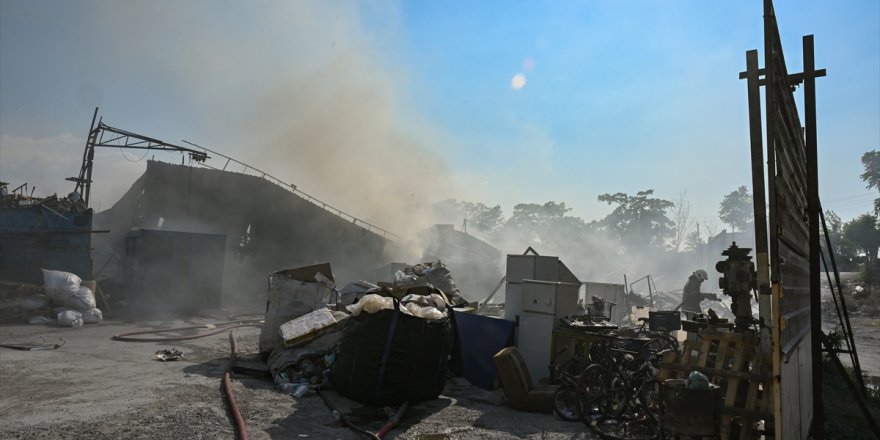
379	345
20	198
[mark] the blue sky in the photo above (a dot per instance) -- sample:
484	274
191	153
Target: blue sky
379	106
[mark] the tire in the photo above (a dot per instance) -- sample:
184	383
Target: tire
567	404
615	399
590	386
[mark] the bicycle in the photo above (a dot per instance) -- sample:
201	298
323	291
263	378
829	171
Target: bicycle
621	389
567	398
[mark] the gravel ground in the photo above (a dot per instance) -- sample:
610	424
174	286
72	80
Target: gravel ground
96	388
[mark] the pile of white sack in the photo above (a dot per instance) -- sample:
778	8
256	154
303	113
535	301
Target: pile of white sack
74	304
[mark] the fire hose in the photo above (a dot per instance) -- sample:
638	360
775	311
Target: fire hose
227	375
224	326
227	386
393	420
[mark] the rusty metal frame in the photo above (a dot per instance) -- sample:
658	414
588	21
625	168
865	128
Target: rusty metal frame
103	135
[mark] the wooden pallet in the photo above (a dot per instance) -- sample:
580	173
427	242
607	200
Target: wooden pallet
731	361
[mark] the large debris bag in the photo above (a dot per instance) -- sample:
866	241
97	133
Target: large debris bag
389	357
293	293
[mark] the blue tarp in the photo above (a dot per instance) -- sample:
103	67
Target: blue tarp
481	337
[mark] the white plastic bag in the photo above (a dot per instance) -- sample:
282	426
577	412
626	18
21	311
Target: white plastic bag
70	318
371	303
429	312
82	299
92	316
58	283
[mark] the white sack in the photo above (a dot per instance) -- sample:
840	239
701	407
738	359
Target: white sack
70	318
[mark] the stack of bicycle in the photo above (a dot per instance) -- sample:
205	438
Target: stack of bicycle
612	387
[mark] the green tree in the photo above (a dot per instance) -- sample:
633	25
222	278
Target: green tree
639	220
843	252
863	235
535	222
484	219
871	176
480	219
736	209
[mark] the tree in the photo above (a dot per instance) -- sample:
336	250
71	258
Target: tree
639	220
863	235
681	216
843	251
871	176
535	221
694	240
483	219
736	209
480	218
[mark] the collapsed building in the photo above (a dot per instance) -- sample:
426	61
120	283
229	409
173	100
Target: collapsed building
267	227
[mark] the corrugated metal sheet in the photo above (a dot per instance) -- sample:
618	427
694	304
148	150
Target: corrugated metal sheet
35	237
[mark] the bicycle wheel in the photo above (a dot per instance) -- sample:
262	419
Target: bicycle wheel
567	404
614	398
590	390
624	429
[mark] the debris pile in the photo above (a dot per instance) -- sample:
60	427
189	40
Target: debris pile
169	354
433	274
391	344
292	294
19	198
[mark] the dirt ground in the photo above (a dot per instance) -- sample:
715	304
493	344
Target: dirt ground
97	388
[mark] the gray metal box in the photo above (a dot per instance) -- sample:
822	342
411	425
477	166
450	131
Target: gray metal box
532	267
538	268
512	300
535	334
552	298
539	297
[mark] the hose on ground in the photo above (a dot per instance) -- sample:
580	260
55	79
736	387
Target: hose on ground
393	420
227	376
341	417
227	387
223	326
